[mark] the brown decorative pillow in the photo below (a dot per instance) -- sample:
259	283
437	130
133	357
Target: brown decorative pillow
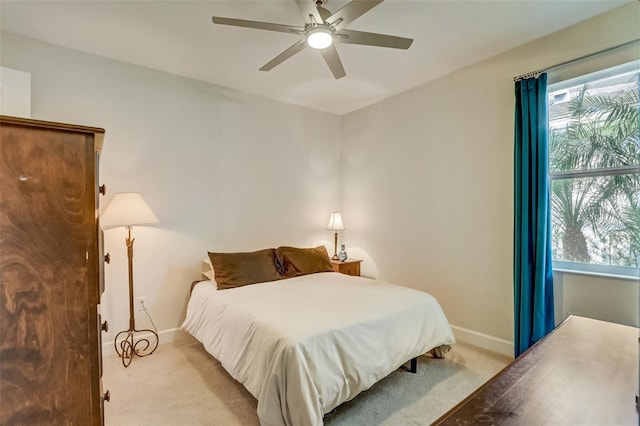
238	269
302	261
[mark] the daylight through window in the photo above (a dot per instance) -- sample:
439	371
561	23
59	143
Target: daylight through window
594	167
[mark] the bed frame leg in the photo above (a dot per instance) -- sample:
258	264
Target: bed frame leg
413	366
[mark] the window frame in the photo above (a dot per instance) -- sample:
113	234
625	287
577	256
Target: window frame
593	269
596	270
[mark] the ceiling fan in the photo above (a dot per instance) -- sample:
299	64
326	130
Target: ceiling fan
321	29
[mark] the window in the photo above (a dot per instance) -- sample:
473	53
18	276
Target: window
594	169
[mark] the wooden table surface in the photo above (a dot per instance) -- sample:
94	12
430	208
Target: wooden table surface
584	373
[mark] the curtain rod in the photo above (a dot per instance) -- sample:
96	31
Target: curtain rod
581	58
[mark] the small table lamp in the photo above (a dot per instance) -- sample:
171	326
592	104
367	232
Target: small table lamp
335	225
129	209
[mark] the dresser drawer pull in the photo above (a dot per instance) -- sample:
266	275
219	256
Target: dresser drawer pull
102	189
107	396
107	258
105	326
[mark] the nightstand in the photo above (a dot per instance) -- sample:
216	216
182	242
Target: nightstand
348	267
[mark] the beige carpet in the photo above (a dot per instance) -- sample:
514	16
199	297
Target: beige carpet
180	384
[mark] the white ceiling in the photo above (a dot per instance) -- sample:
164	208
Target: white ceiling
179	37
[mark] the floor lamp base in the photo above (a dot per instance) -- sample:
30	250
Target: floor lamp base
128	347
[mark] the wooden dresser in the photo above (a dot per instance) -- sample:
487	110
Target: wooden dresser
584	373
51	274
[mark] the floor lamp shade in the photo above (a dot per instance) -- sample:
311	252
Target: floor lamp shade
127	209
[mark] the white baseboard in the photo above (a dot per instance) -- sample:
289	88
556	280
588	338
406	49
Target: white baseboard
164	336
484	341
465	335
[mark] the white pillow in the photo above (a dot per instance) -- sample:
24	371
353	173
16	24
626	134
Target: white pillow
207	269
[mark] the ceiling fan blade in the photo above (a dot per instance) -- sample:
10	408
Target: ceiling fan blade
291	29
373	39
330	55
351	12
308	8
285	55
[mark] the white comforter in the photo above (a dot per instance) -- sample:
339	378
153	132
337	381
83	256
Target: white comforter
304	345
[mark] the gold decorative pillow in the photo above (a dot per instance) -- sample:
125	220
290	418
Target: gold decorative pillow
238	269
302	261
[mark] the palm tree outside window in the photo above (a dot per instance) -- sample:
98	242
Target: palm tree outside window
594	168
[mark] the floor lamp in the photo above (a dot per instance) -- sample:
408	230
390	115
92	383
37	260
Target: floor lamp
128	209
335	225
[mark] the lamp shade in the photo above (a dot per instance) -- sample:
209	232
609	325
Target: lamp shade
127	209
335	222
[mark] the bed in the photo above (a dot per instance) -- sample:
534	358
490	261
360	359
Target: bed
305	344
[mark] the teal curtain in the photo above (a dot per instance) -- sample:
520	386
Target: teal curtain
533	276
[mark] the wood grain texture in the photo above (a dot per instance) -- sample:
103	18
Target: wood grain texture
48	271
96	132
584	373
348	267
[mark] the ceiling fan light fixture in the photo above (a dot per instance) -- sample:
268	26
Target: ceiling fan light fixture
319	37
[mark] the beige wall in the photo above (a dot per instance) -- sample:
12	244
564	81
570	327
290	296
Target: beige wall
604	298
222	170
427	184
